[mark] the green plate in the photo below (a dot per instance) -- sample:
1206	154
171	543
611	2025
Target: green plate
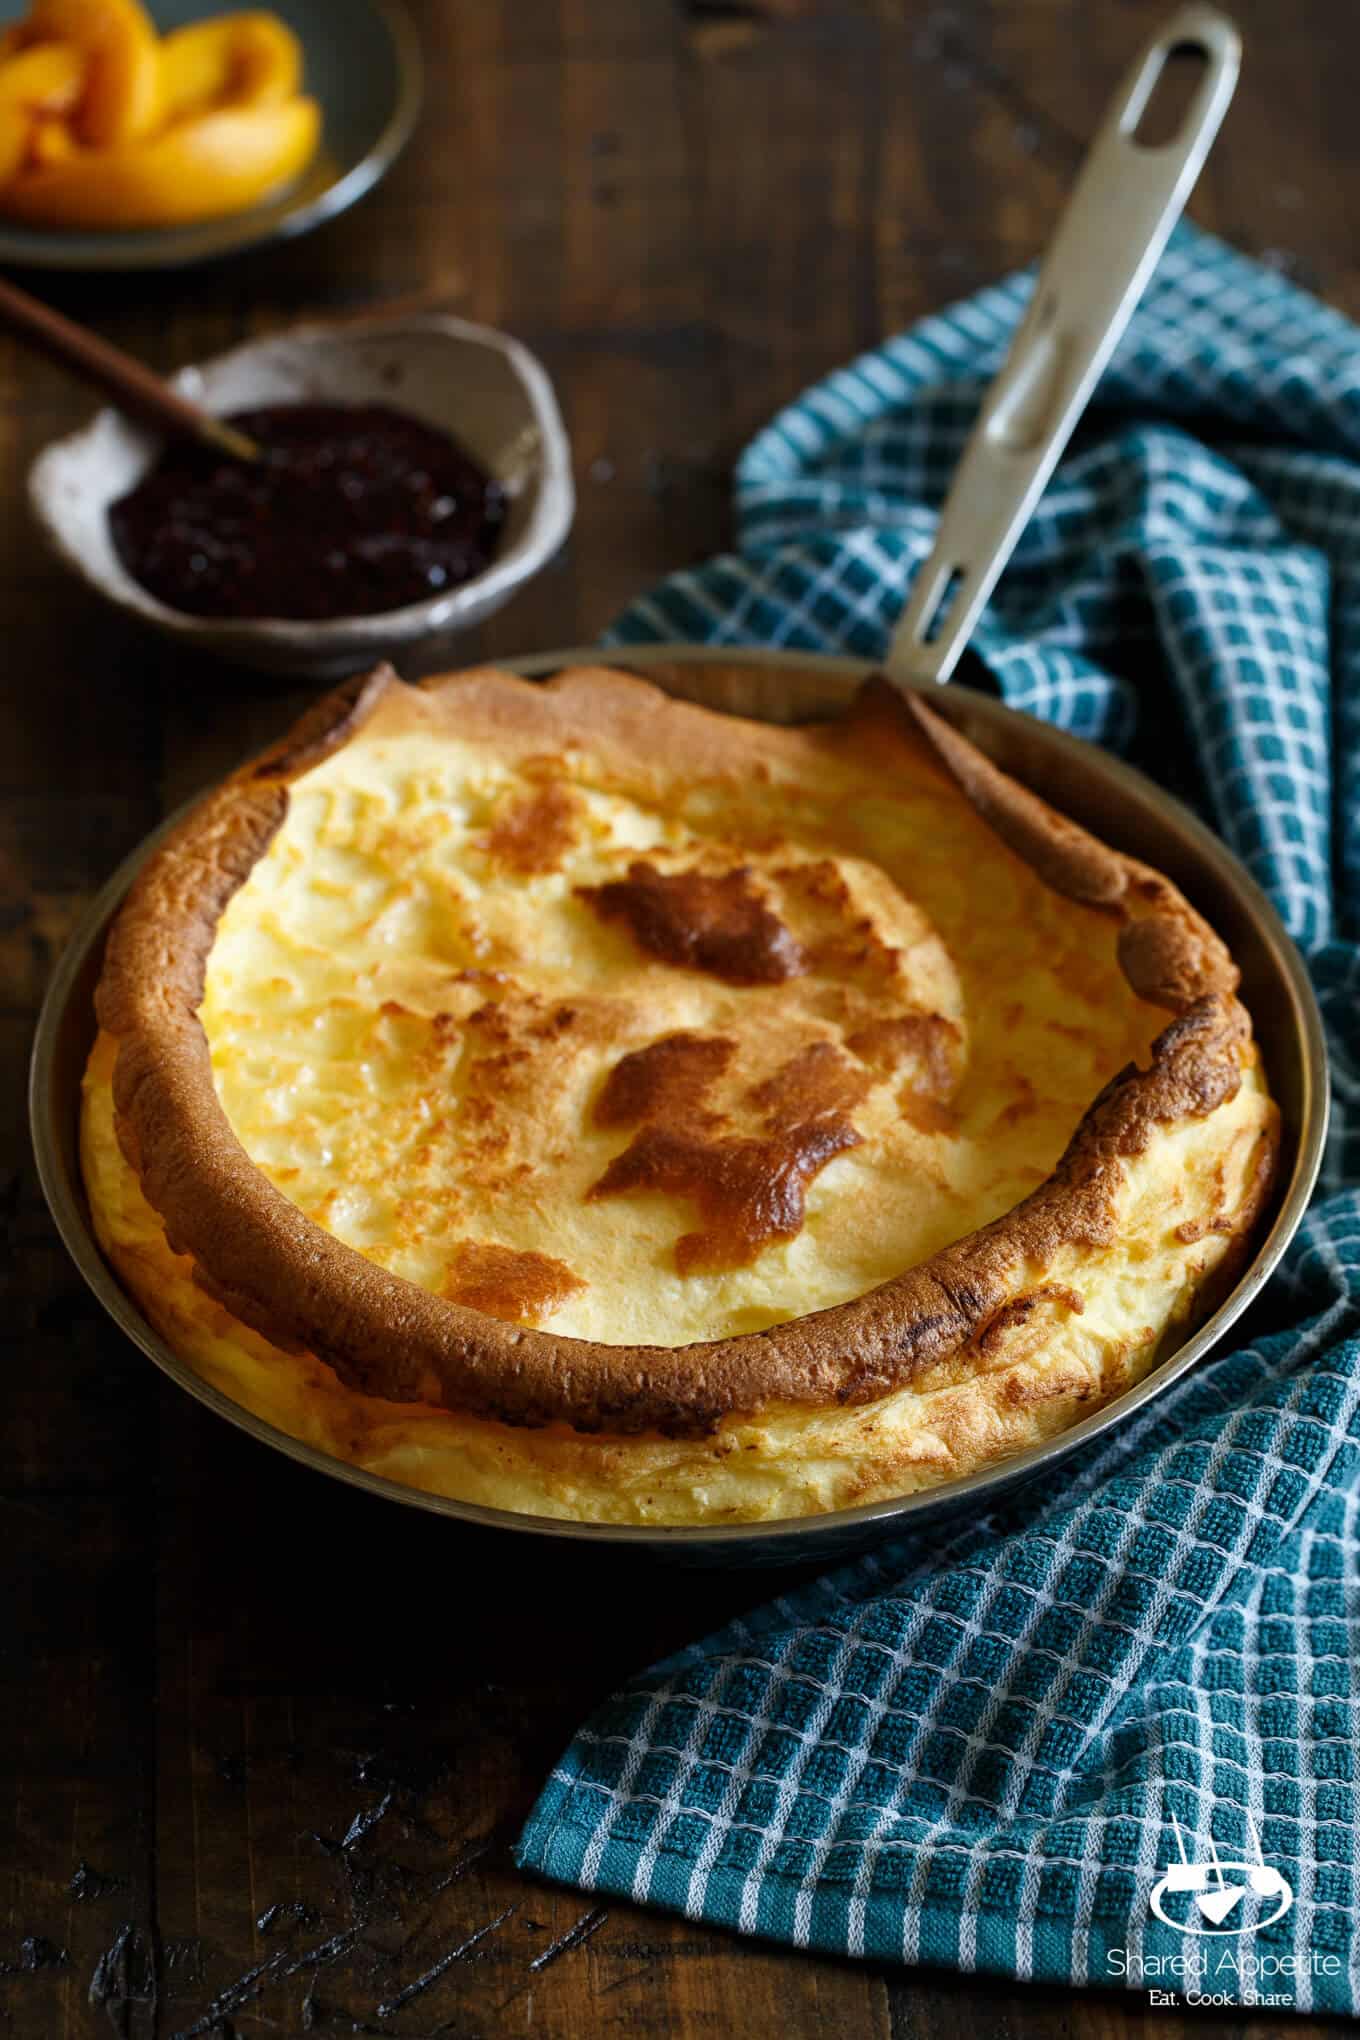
362	63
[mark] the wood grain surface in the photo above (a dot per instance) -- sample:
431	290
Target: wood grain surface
264	1742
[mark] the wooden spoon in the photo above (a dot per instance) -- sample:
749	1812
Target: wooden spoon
129	384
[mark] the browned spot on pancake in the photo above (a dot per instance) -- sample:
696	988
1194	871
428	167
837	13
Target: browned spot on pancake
1233	1214
521	1021
841	940
507	1282
1198	1228
749	1191
534	831
1019	1108
668	1080
700	921
927	1038
1023	1392
1085	1037
927	1114
810	1084
541	765
516	1050
1022	1307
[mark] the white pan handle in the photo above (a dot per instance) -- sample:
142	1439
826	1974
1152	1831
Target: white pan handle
1128	197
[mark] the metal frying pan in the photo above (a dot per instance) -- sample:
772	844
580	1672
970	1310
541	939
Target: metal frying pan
1079	307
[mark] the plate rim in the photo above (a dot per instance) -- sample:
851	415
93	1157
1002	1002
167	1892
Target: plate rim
121	256
899	1514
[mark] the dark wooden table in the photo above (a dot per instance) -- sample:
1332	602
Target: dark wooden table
266	1741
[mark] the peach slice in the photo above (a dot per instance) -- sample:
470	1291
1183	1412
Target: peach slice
52	142
38	82
250	59
122	86
199	169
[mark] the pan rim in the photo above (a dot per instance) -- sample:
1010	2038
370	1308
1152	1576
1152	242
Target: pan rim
760	1539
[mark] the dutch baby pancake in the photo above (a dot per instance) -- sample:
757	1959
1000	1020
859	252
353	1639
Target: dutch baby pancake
571	1099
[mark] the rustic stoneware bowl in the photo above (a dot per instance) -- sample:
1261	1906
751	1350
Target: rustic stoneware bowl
476	383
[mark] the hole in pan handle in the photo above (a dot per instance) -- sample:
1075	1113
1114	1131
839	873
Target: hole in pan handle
1126	200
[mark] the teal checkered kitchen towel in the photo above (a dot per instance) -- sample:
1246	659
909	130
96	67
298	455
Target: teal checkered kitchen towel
974	1751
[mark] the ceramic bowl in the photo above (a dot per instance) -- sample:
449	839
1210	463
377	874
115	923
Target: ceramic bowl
476	383
361	62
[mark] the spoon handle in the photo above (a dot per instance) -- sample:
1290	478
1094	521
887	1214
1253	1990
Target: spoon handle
130	385
1127	198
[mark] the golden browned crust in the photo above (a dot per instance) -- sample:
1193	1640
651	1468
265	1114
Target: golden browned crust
279	1272
1168	954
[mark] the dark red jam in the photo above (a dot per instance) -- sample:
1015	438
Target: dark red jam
354	509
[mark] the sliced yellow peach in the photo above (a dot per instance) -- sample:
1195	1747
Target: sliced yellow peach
46	77
14	38
16	129
268	61
251	59
197	170
122	85
43	80
51	141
